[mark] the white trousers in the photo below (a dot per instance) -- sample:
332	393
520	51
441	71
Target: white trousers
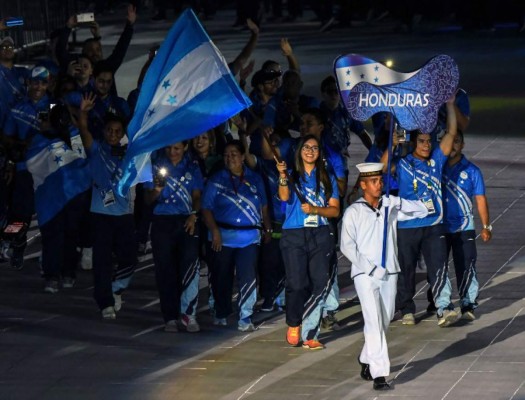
377	305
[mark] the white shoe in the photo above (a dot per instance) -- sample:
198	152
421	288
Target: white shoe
447	318
86	262
190	322
118	302
408	319
109	313
171	326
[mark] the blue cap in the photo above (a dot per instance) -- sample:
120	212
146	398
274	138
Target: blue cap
39	74
50	65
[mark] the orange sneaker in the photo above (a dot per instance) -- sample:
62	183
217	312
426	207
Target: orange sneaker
313	345
293	335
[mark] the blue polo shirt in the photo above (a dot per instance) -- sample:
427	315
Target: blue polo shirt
22	122
421	180
181	180
295	217
236	201
270	175
461	183
12	80
338	127
106	170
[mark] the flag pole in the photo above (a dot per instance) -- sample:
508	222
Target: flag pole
301	197
388	173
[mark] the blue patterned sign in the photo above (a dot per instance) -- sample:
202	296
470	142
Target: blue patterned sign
368	87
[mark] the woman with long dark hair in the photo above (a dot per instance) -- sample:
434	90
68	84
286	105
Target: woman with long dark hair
307	243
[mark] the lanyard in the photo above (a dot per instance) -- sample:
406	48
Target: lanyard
241	180
414	179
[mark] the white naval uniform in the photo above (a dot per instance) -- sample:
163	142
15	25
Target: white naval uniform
362	243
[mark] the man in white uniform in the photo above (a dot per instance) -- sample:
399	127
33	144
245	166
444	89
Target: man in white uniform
361	242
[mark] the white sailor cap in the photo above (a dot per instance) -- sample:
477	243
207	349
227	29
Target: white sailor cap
370	169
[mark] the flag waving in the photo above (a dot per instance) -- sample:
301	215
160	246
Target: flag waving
187	90
368	87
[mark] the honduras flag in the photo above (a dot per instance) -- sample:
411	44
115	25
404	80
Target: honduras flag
60	173
187	90
368	87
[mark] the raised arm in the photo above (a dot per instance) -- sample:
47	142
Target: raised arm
246	52
87	103
286	48
452	128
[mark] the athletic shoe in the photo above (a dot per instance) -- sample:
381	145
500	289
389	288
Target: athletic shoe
51	287
118	302
293	335
220	321
330	322
171	326
190	323
468	314
246	325
86	261
313	345
447	318
408	319
68	282
109	313
267	305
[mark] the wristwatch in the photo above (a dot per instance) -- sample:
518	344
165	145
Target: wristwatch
488	227
283	181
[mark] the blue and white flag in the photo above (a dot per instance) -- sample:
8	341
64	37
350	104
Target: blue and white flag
187	90
60	173
368	87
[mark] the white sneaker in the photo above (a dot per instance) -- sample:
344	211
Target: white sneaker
220	321
68	283
118	302
109	313
408	319
447	318
190	322
171	326
86	262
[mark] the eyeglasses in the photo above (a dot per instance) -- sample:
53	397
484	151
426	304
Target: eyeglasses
7	47
276	70
313	149
272	82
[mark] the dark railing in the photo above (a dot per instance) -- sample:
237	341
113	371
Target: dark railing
40	17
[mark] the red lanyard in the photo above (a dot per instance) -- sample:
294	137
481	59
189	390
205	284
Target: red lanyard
241	180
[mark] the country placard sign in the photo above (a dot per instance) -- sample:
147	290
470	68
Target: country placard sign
414	98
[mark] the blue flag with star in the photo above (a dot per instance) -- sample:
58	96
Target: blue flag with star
60	173
188	90
414	98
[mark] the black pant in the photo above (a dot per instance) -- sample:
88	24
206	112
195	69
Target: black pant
112	234
431	242
60	238
271	270
464	254
175	252
306	253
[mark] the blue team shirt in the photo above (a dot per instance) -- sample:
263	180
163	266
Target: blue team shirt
461	183
270	175
12	88
236	201
181	180
338	127
22	122
106	171
427	175
295	217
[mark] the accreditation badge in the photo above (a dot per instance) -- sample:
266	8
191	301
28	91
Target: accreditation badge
311	221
